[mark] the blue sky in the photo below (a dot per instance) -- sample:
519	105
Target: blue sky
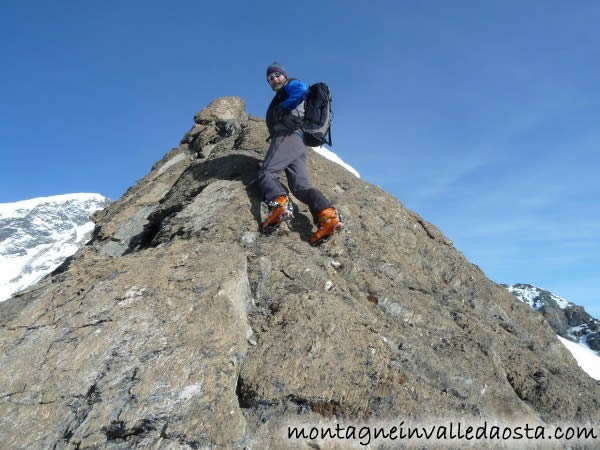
480	116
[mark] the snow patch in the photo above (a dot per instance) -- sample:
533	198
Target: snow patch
585	357
527	295
331	156
560	302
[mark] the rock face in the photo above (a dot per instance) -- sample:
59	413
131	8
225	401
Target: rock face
180	326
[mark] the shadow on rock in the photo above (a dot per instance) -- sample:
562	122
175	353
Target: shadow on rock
231	167
195	179
301	224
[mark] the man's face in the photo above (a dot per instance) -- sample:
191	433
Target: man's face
276	80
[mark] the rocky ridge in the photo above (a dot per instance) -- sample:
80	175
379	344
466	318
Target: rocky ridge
180	326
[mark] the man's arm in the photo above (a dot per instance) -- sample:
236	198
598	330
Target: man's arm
296	91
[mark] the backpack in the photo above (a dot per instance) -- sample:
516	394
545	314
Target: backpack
317	115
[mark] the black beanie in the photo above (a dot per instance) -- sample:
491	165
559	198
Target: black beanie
276	67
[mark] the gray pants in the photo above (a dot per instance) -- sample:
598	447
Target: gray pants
288	152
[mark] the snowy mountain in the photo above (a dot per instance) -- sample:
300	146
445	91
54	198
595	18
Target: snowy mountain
537	298
37	235
577	330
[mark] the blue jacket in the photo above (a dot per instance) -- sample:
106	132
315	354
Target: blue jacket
286	110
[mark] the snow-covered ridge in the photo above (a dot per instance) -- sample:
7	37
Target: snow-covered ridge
37	235
21	208
535	296
331	156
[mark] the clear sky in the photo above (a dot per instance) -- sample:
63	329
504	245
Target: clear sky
482	116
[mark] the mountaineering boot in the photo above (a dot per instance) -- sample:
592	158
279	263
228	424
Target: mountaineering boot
329	222
280	209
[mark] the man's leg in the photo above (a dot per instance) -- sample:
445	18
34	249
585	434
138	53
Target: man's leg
281	153
324	214
297	176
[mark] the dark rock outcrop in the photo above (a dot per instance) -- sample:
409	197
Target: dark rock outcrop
180	326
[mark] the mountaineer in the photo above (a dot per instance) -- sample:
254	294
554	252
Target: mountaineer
287	152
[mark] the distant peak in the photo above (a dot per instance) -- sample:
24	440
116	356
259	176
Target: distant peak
12	208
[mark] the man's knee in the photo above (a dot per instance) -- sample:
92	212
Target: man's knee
260	175
265	176
300	185
302	192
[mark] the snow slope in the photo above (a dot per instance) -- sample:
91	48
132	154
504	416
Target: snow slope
37	235
586	358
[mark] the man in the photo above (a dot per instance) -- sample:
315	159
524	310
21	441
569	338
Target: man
287	152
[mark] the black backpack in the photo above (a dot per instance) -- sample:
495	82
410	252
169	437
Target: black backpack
317	115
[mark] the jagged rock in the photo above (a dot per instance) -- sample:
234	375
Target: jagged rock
556	318
593	341
179	326
223	110
253	136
